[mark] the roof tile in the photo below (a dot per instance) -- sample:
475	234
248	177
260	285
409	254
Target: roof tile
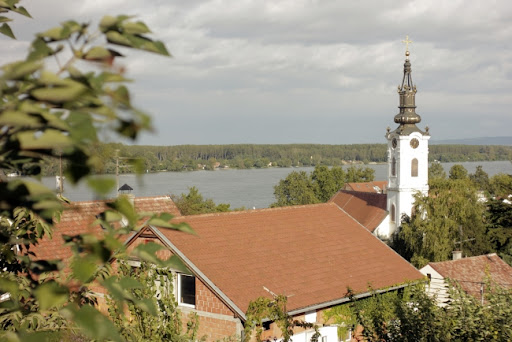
311	253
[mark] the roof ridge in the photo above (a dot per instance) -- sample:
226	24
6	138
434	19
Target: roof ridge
240	212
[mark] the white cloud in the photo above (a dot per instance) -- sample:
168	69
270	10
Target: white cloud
301	62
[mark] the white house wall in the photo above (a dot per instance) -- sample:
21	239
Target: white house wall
437	287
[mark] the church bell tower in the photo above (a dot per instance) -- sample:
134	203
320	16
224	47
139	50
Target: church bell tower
407	152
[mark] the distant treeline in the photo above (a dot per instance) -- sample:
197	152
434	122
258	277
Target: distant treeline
244	156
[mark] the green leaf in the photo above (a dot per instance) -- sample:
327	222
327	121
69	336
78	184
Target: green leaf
81	127
21	10
101	185
95	325
5	19
19	70
125	208
61	94
49	139
18	118
8	286
6	30
83	269
51	294
39	49
108	22
135	27
118	38
97	53
147	305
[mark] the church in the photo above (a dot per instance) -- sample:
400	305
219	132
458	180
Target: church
407	155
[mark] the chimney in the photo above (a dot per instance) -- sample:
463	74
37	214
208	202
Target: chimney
457	255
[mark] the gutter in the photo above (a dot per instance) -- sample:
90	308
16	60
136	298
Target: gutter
344	300
198	272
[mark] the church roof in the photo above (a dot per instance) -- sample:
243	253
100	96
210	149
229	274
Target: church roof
311	253
407	118
375	186
369	209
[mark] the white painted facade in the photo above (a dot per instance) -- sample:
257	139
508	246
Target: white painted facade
383	230
437	287
407	174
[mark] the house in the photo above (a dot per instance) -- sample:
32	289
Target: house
78	218
312	254
469	273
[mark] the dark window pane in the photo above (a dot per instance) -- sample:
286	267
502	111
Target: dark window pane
187	289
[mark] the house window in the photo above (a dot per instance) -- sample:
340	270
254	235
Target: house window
393	167
186	290
393	214
414	168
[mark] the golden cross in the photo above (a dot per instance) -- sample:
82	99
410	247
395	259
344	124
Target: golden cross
407	42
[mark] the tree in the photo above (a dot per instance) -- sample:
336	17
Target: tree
499	221
296	188
327	181
56	113
193	203
319	186
411	315
436	171
458	171
355	174
501	185
480	178
448	219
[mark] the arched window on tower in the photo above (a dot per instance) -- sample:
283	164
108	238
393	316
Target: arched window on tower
393	213
414	168
393	167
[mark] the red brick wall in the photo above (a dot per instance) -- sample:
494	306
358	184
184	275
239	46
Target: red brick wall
215	329
207	301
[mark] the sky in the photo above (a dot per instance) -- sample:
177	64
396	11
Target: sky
297	71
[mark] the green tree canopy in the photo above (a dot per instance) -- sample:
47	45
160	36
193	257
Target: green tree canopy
501	185
193	203
480	178
458	171
317	187
448	219
436	171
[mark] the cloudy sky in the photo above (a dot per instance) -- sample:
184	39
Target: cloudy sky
306	71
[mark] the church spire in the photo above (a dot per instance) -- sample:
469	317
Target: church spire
407	117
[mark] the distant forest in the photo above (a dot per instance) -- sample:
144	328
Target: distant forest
245	156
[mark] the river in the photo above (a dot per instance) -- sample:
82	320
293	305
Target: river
251	188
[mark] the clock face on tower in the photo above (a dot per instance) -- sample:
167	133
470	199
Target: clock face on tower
394	142
414	143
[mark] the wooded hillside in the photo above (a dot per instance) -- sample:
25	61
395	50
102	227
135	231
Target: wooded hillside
243	156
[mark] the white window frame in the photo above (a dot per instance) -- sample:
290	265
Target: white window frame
178	290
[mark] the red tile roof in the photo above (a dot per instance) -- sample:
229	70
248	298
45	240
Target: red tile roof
310	253
77	218
470	272
367	186
367	208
